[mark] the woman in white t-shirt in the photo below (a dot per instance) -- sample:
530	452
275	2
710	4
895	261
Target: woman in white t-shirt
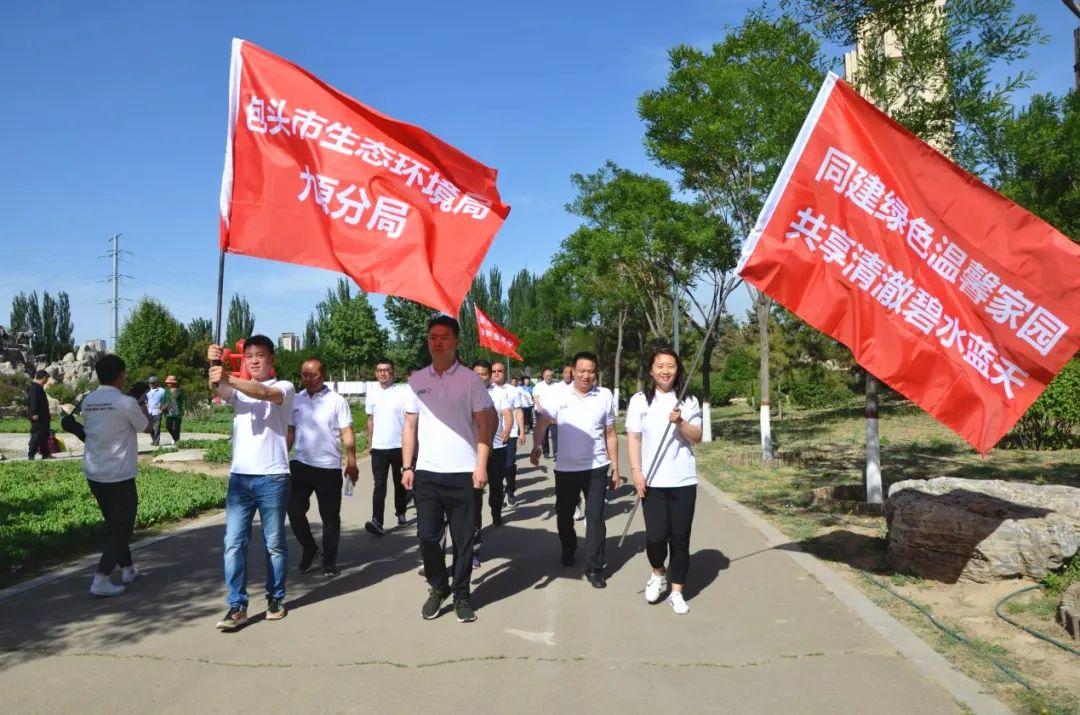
665	473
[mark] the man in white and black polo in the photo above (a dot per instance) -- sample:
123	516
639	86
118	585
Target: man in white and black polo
385	407
516	401
588	460
322	422
452	417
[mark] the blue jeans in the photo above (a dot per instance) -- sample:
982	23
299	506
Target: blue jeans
269	493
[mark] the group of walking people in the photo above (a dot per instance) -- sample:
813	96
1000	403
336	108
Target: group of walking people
443	438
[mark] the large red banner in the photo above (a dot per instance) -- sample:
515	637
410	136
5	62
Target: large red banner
313	176
953	295
496	338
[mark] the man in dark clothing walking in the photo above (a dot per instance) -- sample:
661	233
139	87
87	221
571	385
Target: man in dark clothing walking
38	412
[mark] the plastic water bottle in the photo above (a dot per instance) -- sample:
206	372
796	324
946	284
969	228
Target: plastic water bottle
348	487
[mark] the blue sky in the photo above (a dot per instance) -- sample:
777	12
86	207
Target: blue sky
116	124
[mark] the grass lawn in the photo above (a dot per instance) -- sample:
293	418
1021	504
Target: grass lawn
47	512
21	425
823	448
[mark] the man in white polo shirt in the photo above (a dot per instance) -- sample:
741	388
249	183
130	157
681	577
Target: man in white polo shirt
385	408
496	464
321	423
259	475
588	461
154	397
516	401
112	421
540	391
452	417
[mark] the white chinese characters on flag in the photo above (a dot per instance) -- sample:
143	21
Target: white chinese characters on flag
314	177
494	337
947	291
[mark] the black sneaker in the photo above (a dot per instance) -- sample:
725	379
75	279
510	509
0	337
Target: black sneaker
330	569
464	612
374	528
307	560
568	558
511	501
402	520
596	579
234	618
275	609
433	603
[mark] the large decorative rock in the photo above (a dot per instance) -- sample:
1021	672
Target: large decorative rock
949	529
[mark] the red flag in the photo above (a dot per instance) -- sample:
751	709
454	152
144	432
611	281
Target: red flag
496	338
314	177
944	289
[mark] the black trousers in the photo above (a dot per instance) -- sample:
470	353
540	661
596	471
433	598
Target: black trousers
511	466
527	413
550	443
496	471
39	441
569	486
669	514
383	463
446	499
119	502
172	424
326	484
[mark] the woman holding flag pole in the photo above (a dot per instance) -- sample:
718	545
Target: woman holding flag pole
662	427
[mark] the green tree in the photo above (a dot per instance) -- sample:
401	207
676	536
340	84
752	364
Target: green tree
150	337
409	320
48	327
241	322
311	334
725	121
949	82
200	330
522	310
1039	160
65	330
26	318
349	336
541	349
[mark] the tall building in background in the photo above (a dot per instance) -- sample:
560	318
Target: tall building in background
289	341
886	42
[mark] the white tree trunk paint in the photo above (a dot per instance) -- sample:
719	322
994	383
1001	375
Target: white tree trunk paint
766	434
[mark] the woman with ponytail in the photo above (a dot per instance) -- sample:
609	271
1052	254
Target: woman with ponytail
664	473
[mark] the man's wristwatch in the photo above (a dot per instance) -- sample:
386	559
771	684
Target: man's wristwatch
407	469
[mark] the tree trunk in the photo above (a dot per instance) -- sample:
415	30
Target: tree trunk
618	355
763	336
706	385
872	476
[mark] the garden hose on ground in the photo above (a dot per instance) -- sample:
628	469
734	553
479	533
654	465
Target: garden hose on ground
952	633
1032	631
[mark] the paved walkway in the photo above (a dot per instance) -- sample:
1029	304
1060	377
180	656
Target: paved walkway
14	445
763	635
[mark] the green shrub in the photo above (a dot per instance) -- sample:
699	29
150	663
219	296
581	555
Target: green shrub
218	452
736	377
64	395
816	386
13	389
1052	421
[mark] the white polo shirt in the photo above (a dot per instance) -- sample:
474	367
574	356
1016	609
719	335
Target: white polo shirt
387	406
581	420
112	421
154	396
447	429
317	421
502	400
258	431
540	389
516	396
677	467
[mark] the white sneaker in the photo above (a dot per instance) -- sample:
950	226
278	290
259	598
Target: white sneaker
579	515
678	604
655	588
129	574
102	586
